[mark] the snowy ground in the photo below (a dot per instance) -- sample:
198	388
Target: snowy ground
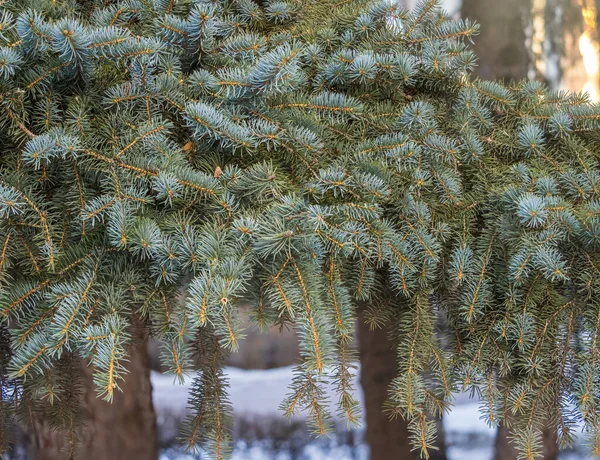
263	434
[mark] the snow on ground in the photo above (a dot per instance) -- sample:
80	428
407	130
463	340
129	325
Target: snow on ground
258	453
256	396
465	418
252	392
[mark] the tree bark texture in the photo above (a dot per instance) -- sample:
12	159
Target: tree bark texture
505	450
388	439
122	430
501	46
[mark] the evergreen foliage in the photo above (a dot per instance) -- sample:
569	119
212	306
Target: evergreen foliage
305	157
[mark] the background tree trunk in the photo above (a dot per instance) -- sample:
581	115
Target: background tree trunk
440	443
501	46
388	439
504	450
122	430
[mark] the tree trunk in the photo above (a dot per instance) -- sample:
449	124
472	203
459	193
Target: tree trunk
440	442
388	439
122	430
505	450
501	46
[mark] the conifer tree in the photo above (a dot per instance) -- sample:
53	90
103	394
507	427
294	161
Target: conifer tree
303	156
509	57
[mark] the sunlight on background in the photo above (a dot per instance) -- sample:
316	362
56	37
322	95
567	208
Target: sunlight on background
589	48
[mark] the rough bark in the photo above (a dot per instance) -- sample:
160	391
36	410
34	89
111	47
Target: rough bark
388	439
122	430
440	443
505	450
501	46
